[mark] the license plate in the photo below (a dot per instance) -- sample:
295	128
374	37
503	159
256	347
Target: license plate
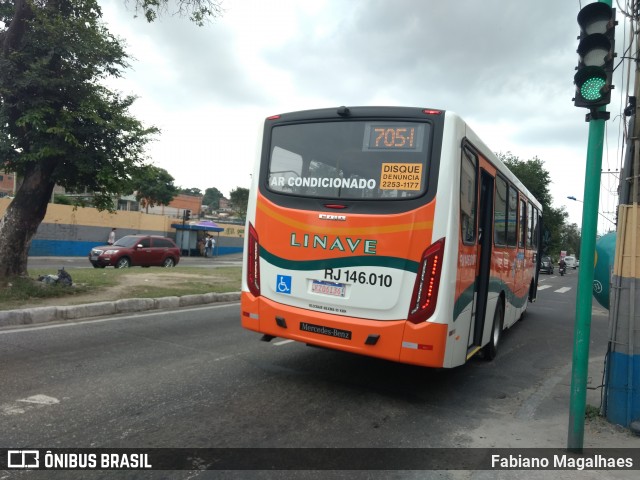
328	288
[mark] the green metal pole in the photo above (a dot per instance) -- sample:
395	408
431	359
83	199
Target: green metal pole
582	329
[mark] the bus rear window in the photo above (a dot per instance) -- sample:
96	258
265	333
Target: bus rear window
350	159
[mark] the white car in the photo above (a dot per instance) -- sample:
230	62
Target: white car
571	262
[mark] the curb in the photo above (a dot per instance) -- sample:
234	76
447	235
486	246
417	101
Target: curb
32	316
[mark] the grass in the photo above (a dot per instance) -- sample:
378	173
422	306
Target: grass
26	289
152	283
591	412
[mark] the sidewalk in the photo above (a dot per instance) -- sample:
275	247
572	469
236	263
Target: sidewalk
31	316
541	421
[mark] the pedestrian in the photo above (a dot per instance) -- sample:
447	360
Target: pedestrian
213	246
112	237
207	247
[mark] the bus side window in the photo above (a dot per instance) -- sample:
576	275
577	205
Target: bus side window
468	197
500	213
536	228
523	224
530	226
512	217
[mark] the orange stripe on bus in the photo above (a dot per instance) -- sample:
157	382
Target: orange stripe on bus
377	229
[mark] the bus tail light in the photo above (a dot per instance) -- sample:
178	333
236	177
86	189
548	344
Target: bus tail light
253	262
425	290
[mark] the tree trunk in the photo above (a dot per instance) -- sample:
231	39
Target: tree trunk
11	39
22	218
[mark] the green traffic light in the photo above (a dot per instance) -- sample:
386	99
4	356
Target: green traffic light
591	88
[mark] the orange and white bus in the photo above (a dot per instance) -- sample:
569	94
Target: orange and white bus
391	232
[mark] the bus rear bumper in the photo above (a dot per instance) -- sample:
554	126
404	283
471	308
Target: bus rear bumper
395	340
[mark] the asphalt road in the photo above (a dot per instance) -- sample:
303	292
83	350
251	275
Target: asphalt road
194	378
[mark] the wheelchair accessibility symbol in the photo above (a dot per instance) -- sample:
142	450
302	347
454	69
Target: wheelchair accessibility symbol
283	284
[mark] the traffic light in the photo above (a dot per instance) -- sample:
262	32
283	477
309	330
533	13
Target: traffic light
186	215
593	78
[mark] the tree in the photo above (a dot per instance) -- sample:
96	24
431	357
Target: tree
570	239
532	174
58	123
191	191
153	186
212	198
554	220
199	11
240	200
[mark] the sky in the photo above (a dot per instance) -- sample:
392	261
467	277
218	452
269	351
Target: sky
505	66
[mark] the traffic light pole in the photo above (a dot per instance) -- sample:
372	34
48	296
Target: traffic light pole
582	329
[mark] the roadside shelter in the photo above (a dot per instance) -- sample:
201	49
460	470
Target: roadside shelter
189	234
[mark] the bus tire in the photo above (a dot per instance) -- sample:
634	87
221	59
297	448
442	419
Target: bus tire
532	292
490	350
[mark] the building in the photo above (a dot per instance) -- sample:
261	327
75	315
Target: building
178	205
7	183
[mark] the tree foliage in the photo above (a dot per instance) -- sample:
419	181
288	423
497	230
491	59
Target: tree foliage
212	198
54	110
191	191
59	124
554	220
532	174
570	239
240	200
198	11
153	186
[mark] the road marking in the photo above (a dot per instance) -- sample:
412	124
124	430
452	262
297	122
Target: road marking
40	400
543	287
34	401
562	290
283	342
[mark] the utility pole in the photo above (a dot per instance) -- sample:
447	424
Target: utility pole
622	379
593	81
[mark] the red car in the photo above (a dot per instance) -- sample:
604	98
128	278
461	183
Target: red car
136	250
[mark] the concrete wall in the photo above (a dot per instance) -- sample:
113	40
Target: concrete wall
66	231
622	382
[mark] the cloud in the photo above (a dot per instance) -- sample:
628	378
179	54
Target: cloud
505	67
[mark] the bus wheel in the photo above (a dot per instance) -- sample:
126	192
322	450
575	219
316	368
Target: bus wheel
490	350
532	292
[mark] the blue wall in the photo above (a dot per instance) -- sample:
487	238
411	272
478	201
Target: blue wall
61	248
623	399
71	248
